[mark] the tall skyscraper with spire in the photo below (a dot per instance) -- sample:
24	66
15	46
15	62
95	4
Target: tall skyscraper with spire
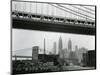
60	48
70	45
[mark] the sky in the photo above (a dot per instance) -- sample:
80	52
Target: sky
23	39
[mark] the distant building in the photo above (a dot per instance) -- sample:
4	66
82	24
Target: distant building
54	47
70	45
35	52
76	51
72	58
80	53
61	55
50	53
48	58
66	53
72	55
76	48
89	58
60	44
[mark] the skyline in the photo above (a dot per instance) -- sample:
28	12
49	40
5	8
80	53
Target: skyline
26	39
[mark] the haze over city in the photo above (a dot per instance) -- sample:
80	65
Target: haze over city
22	39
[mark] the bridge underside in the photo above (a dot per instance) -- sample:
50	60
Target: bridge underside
55	27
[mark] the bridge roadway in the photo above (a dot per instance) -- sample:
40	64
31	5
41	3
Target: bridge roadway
41	23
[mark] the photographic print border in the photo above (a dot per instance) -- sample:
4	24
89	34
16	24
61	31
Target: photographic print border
51	28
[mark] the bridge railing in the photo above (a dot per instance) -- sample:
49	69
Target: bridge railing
40	17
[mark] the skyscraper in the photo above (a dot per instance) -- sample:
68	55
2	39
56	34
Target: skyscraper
76	52
76	48
35	51
60	44
70	45
60	48
54	47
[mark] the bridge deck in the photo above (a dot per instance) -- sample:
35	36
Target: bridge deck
52	26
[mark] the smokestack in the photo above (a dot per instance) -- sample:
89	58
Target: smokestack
44	47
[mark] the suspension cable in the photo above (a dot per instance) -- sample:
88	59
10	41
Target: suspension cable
70	12
89	9
76	11
83	10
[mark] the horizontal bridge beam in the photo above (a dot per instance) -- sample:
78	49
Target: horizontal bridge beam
22	56
51	26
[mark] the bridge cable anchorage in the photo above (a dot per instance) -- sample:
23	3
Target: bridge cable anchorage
75	11
82	9
71	12
88	8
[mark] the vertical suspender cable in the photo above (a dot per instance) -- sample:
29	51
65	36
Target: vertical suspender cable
42	11
47	11
52	11
25	7
41	8
30	8
15	8
36	8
